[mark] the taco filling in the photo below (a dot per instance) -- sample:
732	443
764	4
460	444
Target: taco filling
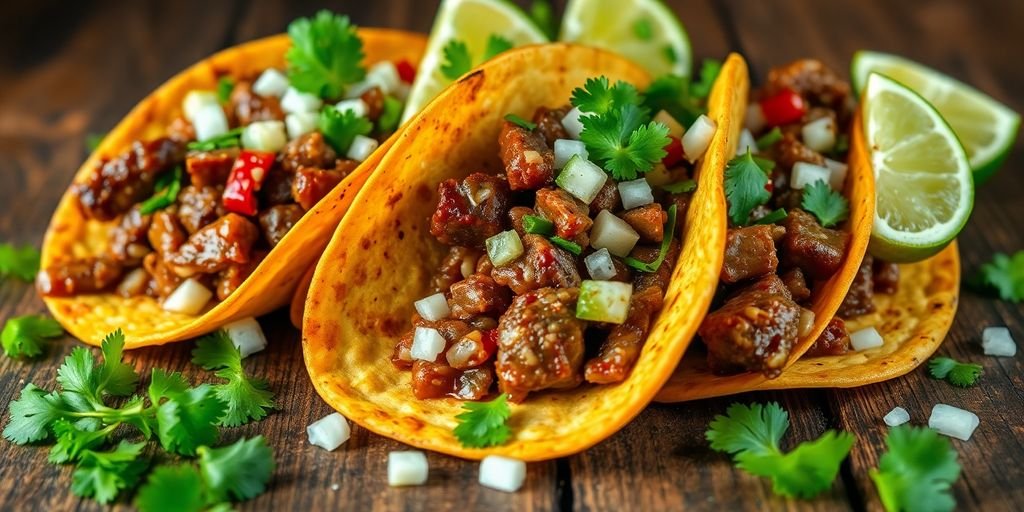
194	211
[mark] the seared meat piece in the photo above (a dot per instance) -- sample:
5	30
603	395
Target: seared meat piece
128	240
816	250
749	253
529	162
474	348
790	150
277	187
796	283
88	275
860	298
541	265
374	99
228	280
621	349
682	202
754	330
834	340
648	221
540	343
344	166
181	130
470	212
277	220
459	264
248	106
474	384
165	233
569	215
886	277
163	279
115	185
216	246
432	380
309	150
813	80
549	123
199	206
310	185
607	198
210	168
515	216
663	275
478	295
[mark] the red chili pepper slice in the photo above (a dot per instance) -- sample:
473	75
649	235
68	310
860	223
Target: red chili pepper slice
247	175
783	108
674	152
406	71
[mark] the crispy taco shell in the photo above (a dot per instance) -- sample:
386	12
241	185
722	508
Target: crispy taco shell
382	257
144	322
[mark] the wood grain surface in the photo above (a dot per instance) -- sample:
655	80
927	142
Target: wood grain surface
68	69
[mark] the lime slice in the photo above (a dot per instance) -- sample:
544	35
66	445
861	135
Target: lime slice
473	22
923	186
645	31
986	127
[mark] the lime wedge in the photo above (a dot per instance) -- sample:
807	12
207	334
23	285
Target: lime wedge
472	22
923	185
985	127
646	31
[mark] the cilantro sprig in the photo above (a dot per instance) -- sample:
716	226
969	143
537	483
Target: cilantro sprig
20	263
229	139
248	399
963	375
23	335
340	128
682	97
1004	275
326	55
917	471
746	181
829	206
484	423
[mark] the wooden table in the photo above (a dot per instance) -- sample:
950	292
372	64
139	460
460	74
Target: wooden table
68	69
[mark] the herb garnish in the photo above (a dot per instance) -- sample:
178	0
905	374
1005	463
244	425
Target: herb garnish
680	187
390	115
746	181
666	242
20	263
568	245
1004	274
483	423
326	55
543	15
229	139
496	45
247	399
522	123
537	225
168	185
682	97
959	374
769	139
23	335
917	471
224	87
340	128
829	206
773	217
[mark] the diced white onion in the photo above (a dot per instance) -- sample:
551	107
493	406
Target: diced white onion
195	101
247	335
674	128
271	83
600	265
604	301
357	106
996	341
565	149
866	338
188	298
502	473
837	176
459	354
433	308
953	421
581	178
896	417
820	134
135	280
805	174
297	101
504	247
407	468
301	123
427	343
754	119
384	74
747	142
698	137
571	123
635	193
329	432
264	136
612	233
362	147
210	122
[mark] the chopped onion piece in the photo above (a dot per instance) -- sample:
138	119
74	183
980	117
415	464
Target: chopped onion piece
565	149
329	432
433	308
264	136
137	279
837	176
362	147
581	178
747	142
572	124
196	101
247	335
674	128
820	134
866	338
271	83
427	343
614	234
188	298
604	301
698	137
600	265
805	174
504	247
754	119
357	106
635	193
210	122
896	417
296	101
502	473
301	123
407	468
953	421
996	341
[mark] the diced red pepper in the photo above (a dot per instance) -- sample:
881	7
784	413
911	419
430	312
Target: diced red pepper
406	71
674	152
246	178
783	108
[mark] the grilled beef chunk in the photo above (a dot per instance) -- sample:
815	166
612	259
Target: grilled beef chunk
474	348
816	250
165	233
515	217
459	264
277	187
128	240
886	277
432	380
210	168
790	150
277	220
229	279
663	275
248	107
215	247
813	80
607	198
549	123
568	214
796	283
88	275
474	384
470	212
199	206
163	279
540	343
181	130
115	185
310	185
834	340
860	298
478	295
621	349
648	221
541	265
749	253
309	150
529	162
374	100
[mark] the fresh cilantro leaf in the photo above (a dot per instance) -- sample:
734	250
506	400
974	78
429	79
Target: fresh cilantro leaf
769	139
752	434
666	242
622	144
186	419
93	140
73	441
247	399
829	206
684	100
567	245
326	55
483	423
224	87
496	45
115	377
709	70
238	471
773	217
1005	275
78	373
522	123
642	29
457	61
20	263
23	335
543	15
167	488
32	414
103	475
229	139
341	128
917	471
163	384
168	185
680	187
746	180
599	97
959	374
390	115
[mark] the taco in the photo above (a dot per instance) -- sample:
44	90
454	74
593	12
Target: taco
199	210
462	269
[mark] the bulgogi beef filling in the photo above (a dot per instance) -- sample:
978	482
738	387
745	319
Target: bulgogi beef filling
529	162
833	341
116	184
470	211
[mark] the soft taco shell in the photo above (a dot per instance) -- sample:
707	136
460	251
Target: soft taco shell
382	257
144	322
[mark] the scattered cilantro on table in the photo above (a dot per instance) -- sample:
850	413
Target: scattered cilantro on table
248	399
1004	275
340	128
20	263
326	55
959	374
746	181
917	471
484	423
23	335
829	206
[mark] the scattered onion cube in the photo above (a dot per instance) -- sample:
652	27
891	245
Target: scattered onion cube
502	473
565	149
357	106
329	432
953	421
297	101
195	101
896	417
271	83
612	233
604	301
504	247
572	124
674	128
210	122
407	468
301	123
866	338
362	147
820	134
600	265
996	341
247	335
427	343
805	174
635	193
747	142
581	178
433	308
838	173
697	139
264	136
188	298
754	118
